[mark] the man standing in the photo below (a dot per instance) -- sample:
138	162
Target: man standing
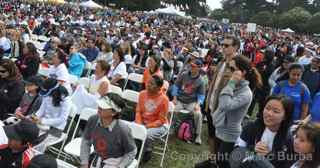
311	76
220	78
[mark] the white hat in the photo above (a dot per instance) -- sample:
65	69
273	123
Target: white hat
106	103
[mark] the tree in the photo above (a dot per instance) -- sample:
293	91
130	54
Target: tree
314	23
264	18
218	14
295	18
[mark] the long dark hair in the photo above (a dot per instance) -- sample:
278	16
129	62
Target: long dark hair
252	74
10	66
32	49
288	106
313	135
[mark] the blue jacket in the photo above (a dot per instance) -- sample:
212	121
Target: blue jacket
76	63
90	53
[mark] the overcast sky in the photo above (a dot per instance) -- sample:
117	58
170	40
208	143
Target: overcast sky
214	4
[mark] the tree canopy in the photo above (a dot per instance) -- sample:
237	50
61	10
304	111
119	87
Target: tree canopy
300	15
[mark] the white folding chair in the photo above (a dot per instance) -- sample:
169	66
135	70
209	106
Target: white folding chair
164	139
63	164
73	147
138	132
134	77
73	79
115	89
64	136
84	81
130	95
85	114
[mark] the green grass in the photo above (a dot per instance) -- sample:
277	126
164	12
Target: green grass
181	154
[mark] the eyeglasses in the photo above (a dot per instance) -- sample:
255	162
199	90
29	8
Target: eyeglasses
226	45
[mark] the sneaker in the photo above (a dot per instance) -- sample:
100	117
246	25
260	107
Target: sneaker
206	164
198	140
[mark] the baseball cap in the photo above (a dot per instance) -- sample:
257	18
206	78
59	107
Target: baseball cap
36	80
48	86
197	63
24	130
43	161
106	103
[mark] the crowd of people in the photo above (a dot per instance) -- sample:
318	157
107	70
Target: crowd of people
217	72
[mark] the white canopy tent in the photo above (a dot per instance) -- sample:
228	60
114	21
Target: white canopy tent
90	4
170	10
287	30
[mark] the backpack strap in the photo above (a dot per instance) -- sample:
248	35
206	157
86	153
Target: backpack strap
282	84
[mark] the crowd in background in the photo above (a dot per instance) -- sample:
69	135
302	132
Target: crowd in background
217	71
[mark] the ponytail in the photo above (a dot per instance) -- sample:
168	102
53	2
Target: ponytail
254	78
252	74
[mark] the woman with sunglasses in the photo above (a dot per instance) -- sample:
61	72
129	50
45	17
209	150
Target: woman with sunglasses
234	101
11	88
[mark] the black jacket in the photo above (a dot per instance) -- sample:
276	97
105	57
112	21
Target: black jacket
7	158
11	92
282	144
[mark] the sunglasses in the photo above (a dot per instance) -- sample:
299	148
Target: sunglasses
232	69
226	45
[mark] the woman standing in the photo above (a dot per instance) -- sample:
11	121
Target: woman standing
296	90
234	101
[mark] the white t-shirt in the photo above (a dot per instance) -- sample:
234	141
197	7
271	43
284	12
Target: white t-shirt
61	73
121	70
268	138
304	60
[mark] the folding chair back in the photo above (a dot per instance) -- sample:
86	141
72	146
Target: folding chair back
115	89
138	132
73	79
130	95
137	78
84	81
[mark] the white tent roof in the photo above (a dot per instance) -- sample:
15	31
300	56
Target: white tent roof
90	4
288	30
170	10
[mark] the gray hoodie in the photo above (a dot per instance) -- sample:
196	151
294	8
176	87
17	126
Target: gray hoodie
233	106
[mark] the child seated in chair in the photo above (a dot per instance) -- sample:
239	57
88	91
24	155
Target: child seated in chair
151	111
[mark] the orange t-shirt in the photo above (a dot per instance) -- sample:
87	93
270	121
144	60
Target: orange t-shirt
147	76
152	111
